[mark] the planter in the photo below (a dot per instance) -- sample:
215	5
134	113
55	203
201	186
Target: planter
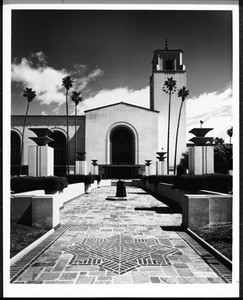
45	212
205	210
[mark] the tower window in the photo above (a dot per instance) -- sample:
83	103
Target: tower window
169	65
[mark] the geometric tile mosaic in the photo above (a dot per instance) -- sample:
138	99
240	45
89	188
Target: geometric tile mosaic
121	253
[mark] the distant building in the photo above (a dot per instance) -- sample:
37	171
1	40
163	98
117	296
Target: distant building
120	134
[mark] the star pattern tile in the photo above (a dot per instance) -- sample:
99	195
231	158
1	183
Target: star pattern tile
120	253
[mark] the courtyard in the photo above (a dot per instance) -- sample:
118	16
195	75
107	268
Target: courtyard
137	241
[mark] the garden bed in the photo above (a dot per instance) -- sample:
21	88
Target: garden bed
219	237
22	236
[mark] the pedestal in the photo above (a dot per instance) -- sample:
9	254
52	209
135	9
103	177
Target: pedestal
81	167
161	168
201	160
95	170
147	170
40	161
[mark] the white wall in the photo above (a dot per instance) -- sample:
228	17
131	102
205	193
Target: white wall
100	121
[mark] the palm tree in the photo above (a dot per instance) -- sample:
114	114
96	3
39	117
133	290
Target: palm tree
76	99
67	82
30	95
230	133
169	88
183	93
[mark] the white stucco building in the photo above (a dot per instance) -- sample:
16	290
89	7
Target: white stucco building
119	136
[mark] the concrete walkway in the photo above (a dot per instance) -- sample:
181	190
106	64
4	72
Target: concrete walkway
137	241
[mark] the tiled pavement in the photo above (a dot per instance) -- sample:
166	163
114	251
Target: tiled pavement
118	242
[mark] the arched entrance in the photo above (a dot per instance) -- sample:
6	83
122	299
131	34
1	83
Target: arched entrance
15	153
122	146
59	145
122	152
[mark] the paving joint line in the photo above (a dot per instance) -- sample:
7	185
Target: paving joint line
206	260
15	266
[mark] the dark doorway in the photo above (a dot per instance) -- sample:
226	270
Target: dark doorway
15	153
59	145
122	146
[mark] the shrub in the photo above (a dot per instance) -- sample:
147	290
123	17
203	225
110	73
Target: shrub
75	178
53	183
213	182
160	178
144	178
24	184
30	183
223	158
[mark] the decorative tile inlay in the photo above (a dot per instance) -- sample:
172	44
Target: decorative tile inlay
120	253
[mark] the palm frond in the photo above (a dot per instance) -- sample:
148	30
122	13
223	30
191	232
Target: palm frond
183	93
76	98
29	94
170	84
67	82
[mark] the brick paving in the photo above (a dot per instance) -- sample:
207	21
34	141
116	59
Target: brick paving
118	242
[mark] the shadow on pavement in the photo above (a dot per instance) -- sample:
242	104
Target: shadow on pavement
161	210
139	193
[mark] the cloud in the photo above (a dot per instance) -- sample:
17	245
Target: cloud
33	72
81	83
107	97
214	109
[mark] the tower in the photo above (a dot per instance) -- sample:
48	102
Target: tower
167	63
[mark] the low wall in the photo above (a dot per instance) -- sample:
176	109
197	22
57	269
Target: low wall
72	191
104	182
203	211
198	210
45	212
40	210
164	189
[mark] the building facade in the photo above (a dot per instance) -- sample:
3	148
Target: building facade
119	135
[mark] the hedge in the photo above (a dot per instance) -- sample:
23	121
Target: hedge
29	183
160	178
212	182
75	178
217	182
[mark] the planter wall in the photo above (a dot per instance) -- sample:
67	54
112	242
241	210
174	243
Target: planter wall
73	190
39	210
45	212
104	182
203	211
21	210
198	210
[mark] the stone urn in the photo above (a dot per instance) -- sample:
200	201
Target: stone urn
43	134
94	162
148	162
161	156
199	139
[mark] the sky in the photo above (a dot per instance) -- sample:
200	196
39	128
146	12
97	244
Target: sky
108	54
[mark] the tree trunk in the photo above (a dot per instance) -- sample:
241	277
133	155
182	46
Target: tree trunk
177	132
22	145
75	154
67	142
168	138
